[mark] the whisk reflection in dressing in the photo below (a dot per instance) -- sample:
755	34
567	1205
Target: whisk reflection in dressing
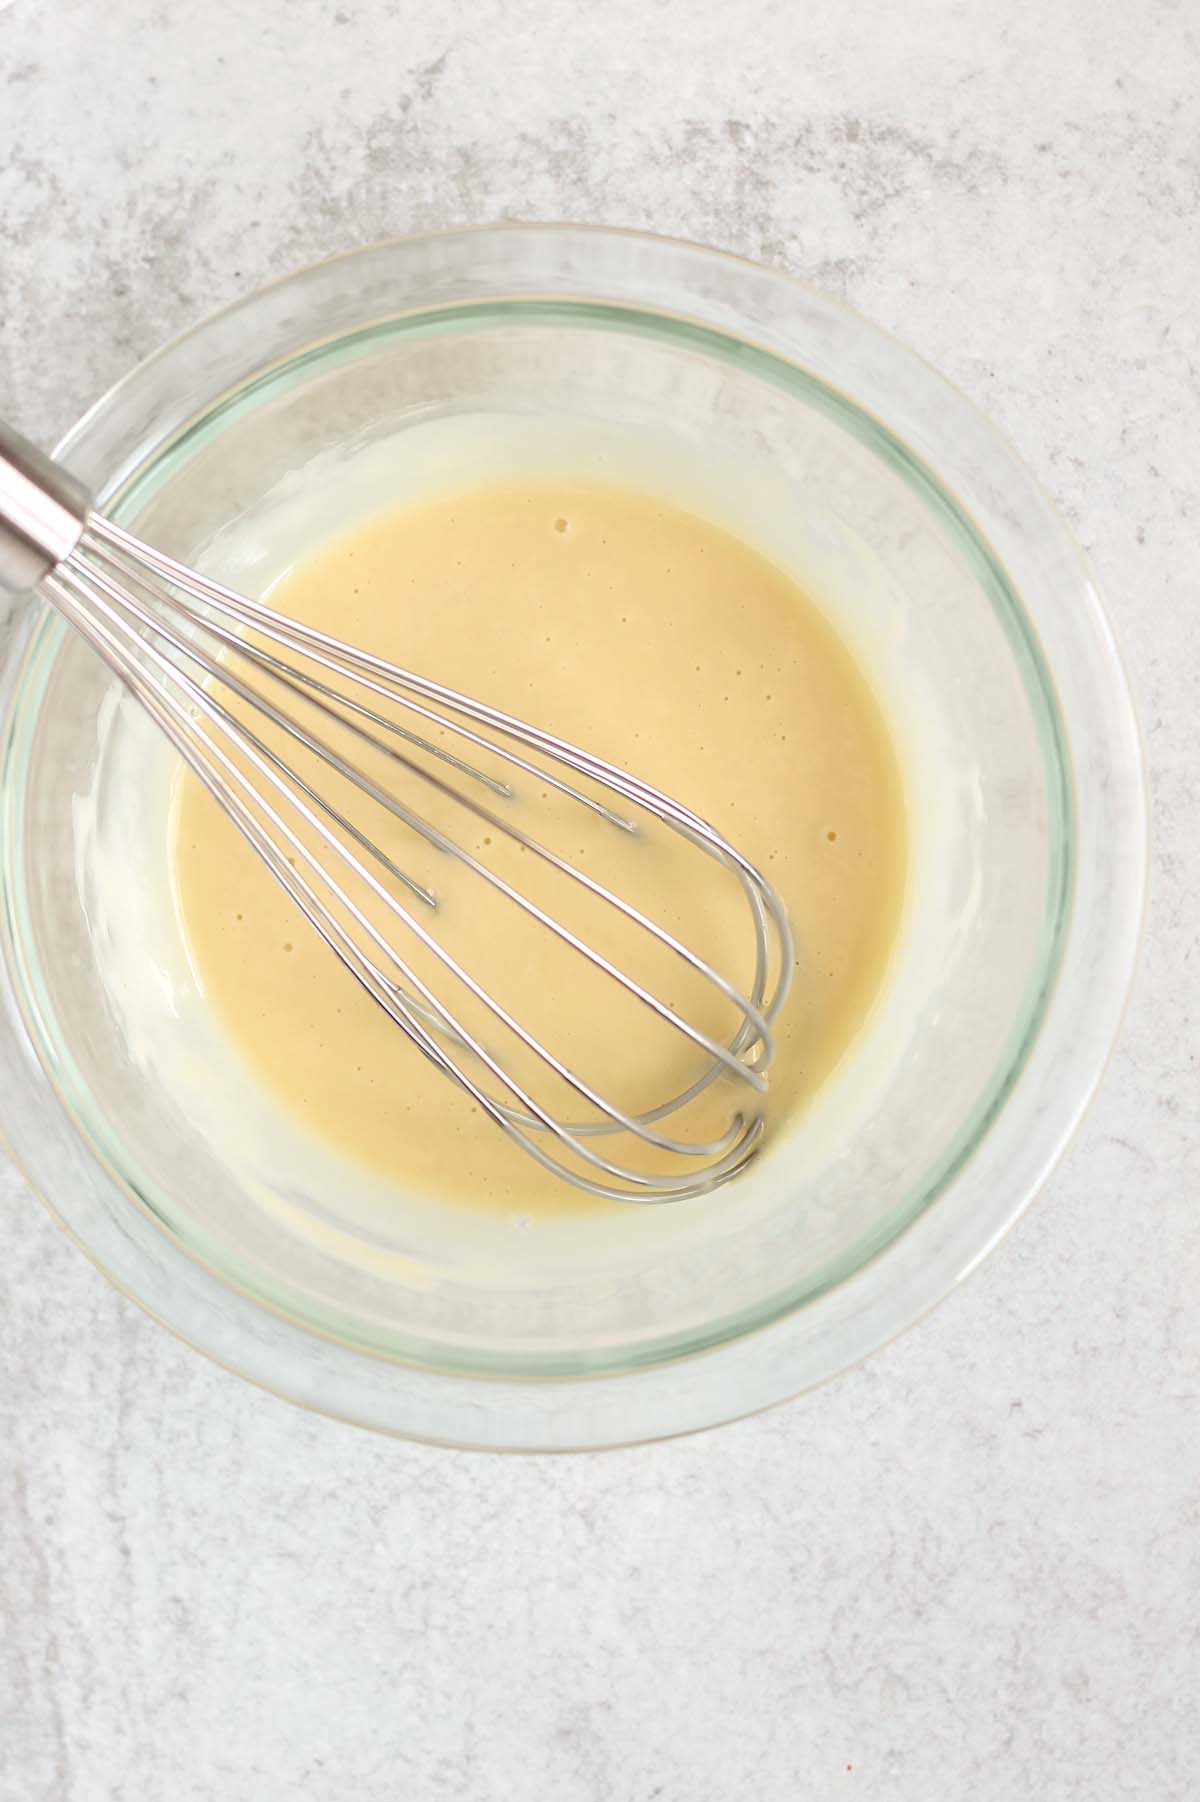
230	682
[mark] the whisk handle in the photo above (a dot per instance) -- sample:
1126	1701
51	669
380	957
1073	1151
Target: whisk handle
42	512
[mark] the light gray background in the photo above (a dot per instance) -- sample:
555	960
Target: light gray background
971	1569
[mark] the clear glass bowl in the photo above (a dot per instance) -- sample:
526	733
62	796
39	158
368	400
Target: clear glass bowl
860	466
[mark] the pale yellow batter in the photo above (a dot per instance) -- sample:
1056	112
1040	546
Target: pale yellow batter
658	641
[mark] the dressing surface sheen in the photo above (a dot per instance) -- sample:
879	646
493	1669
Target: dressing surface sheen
662	643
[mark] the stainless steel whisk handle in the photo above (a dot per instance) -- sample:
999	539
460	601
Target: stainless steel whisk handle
43	511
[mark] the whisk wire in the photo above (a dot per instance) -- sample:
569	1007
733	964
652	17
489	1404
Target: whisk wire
117	645
196	654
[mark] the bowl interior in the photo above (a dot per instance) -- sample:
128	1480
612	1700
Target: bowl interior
392	405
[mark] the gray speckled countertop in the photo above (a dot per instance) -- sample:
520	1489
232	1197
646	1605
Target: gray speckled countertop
969	1569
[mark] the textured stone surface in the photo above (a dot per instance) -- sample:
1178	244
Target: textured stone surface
970	1569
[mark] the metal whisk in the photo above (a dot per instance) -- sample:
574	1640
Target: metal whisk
186	647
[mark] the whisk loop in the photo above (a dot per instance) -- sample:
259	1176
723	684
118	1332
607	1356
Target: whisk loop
201	657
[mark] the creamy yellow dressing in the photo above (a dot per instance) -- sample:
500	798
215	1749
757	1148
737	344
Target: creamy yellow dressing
657	640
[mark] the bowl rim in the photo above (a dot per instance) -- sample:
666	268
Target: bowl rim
1120	978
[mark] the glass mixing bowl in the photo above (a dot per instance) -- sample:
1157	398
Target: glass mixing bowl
845	456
